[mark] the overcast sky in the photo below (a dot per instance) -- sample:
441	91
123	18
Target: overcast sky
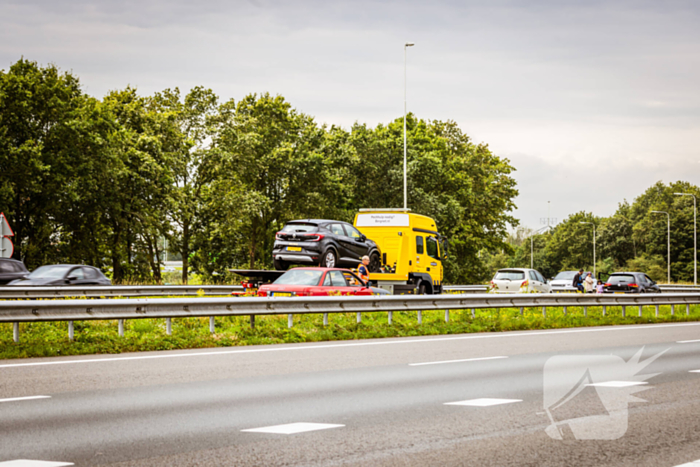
591	101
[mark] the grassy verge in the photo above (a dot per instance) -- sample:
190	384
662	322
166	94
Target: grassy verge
101	337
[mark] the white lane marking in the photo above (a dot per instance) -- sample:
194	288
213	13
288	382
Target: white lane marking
292	428
455	361
687	342
618	384
484	402
32	463
27	398
357	344
690	464
694	371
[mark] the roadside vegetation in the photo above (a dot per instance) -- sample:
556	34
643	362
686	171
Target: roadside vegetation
101	337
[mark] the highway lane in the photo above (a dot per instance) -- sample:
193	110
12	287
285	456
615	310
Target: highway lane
189	408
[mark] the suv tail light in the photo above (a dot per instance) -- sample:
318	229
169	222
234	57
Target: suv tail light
525	283
313	237
278	236
632	285
607	284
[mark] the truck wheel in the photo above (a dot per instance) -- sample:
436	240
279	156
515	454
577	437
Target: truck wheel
375	264
328	260
280	265
422	288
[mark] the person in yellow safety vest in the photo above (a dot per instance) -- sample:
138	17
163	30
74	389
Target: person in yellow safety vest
363	269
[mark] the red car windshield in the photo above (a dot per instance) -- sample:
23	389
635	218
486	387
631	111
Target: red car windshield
299	277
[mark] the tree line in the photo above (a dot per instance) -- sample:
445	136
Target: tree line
634	238
109	182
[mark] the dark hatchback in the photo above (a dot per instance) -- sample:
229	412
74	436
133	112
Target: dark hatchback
11	269
323	242
630	282
64	274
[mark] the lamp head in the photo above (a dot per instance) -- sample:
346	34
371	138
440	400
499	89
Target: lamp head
409	44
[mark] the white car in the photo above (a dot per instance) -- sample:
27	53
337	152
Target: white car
519	280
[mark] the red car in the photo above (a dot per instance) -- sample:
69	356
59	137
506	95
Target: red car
304	282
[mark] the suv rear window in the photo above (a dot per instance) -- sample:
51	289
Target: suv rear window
293	228
621	279
512	275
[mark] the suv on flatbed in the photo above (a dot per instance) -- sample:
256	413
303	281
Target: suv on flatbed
323	242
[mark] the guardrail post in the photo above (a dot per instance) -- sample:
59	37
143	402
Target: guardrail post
70	330
359	317
585	312
290	320
564	311
673	310
640	311
420	317
473	313
121	328
624	310
15	332
687	309
252	321
391	317
447	316
522	308
544	311
325	319
169	326
657	310
604	309
212	325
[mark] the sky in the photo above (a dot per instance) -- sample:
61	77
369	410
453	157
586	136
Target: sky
591	101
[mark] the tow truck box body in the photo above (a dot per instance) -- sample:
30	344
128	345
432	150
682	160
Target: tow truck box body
409	241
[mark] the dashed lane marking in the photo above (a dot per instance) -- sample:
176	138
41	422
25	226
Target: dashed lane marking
33	463
455	361
292	428
618	384
484	402
27	398
688	342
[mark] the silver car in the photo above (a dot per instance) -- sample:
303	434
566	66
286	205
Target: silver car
519	280
563	282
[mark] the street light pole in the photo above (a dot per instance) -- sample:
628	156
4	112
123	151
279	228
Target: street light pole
405	189
668	242
591	223
532	254
695	236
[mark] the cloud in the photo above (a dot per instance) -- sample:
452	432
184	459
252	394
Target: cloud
586	98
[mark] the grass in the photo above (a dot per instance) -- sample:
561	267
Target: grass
45	339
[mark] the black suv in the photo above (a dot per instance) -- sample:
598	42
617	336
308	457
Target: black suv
11	269
328	243
630	282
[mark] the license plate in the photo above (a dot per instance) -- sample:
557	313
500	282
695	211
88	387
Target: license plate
281	294
293	248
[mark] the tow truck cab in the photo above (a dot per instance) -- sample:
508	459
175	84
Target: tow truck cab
412	250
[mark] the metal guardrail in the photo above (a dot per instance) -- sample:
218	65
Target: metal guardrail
105	309
128	291
16	292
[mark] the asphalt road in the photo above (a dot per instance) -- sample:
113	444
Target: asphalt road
189	408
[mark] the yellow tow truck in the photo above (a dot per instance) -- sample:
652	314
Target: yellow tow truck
412	250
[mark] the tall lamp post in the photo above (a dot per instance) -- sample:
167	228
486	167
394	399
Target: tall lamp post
591	223
668	242
405	189
695	235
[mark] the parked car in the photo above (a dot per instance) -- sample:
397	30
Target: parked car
519	280
326	243
300	282
563	282
64	274
11	269
630	282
